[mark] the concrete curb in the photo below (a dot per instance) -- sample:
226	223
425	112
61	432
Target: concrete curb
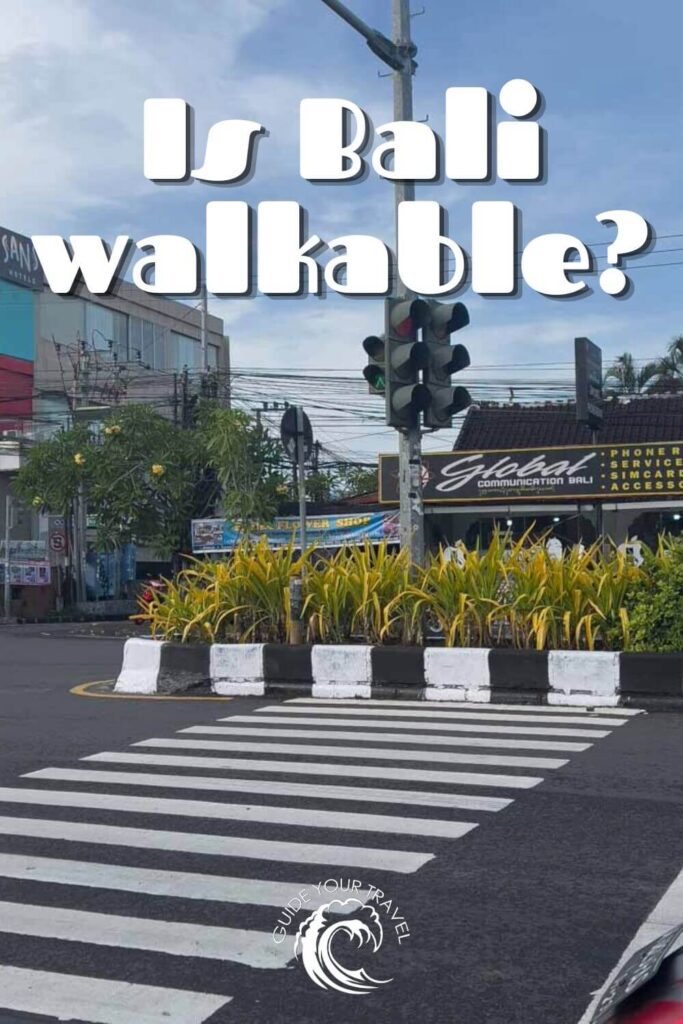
473	675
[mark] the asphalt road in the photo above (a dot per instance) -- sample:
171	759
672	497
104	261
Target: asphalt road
516	921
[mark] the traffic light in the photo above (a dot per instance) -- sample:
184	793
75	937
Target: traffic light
375	371
406	397
444	360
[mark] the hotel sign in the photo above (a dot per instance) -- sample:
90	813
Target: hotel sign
18	260
653	470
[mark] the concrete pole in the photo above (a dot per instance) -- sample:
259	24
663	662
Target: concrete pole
8	526
410	448
302	475
204	323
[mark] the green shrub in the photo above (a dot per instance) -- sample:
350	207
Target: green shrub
511	594
656	609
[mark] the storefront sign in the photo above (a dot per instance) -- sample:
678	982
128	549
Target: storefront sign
18	260
579	472
216	535
25	550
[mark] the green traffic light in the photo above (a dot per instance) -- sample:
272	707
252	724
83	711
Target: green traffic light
375	377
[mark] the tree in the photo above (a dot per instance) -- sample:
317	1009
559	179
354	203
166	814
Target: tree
248	464
143	478
670	367
624	378
51	476
357	480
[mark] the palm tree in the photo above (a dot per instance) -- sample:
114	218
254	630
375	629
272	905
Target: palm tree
625	378
670	367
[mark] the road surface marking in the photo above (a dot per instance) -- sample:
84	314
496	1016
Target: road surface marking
187	885
261	813
400	861
471	708
330	733
83	690
309	768
465	709
434	756
423	716
177	938
273	788
74	997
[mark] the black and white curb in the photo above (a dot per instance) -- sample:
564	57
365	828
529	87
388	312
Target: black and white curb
478	675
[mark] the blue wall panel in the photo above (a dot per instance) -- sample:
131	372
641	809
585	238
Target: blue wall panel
17	321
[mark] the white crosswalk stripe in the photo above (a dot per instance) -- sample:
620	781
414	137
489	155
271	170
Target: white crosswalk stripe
73	997
256	949
366	771
422	719
268	786
239	812
380	723
215	846
390	737
358	752
473	709
438	768
189	885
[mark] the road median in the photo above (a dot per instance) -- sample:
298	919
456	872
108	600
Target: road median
473	675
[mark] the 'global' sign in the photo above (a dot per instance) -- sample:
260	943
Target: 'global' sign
18	260
582	471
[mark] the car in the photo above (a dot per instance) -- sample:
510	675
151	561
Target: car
648	989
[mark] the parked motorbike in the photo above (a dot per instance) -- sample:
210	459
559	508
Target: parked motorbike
649	987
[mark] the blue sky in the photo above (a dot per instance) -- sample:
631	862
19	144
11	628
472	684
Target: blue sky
74	77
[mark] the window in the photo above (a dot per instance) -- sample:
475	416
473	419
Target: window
189	352
146	343
135	339
161	335
212	357
106	331
120	336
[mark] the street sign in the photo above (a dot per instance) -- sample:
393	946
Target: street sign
56	534
289	434
588	363
58	543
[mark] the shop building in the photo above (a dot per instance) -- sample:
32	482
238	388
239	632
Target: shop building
517	468
61	353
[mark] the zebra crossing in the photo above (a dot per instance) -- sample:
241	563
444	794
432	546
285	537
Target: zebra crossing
161	868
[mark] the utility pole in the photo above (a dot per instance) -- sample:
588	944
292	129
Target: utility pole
398	53
411	518
79	516
302	475
7	592
204	321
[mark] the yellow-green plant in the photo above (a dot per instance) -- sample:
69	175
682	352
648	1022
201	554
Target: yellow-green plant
513	593
361	592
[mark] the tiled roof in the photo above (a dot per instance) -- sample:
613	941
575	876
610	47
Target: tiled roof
638	420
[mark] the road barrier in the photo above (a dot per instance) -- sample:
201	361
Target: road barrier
469	674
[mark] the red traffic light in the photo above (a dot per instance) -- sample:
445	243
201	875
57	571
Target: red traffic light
408	316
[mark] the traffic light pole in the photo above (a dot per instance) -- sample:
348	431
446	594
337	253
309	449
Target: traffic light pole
397	53
410	442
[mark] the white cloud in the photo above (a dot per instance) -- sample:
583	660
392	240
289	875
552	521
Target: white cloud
74	80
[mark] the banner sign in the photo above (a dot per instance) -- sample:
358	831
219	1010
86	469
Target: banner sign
23	575
25	550
543	474
216	535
